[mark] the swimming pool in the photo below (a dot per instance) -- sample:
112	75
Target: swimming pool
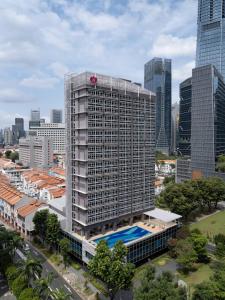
126	235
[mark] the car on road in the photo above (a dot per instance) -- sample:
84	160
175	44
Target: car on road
26	248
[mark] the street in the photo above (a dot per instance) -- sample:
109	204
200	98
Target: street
58	281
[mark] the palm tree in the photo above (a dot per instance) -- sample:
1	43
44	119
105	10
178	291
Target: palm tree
30	269
60	294
42	288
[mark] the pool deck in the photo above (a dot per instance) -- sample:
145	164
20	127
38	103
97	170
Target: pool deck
153	226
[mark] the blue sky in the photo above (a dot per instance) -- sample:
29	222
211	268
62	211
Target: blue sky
41	40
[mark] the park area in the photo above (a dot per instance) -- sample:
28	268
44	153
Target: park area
211	225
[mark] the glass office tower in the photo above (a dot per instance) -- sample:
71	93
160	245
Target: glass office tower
185	118
211	34
157	78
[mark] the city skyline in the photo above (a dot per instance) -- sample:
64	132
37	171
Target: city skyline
38	65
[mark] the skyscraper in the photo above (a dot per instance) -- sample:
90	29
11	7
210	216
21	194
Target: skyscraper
211	34
185	118
208	120
110	152
174	127
157	78
56	116
34	118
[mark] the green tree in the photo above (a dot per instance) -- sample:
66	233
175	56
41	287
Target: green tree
214	288
60	294
219	240
30	269
53	231
28	294
14	156
42	286
11	274
199	242
162	287
111	267
169	180
65	249
206	291
40	223
8	153
186	255
18	285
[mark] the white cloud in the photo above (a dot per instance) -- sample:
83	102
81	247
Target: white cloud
184	71
172	46
14	96
42	39
59	69
39	82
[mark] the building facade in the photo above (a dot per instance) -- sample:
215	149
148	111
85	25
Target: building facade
157	78
184	147
56	116
55	131
207	120
36	152
175	127
211	34
8	136
34	118
110	152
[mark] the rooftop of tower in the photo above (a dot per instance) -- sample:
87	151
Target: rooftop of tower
88	78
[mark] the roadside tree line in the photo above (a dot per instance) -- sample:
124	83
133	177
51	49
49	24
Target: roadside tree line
193	197
24	277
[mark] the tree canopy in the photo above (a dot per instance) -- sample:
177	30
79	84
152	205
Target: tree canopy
192	197
111	267
162	287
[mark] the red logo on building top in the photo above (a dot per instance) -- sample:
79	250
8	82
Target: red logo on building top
93	79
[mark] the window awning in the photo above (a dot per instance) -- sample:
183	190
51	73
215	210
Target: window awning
163	215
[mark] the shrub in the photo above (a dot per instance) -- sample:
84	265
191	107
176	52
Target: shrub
11	274
28	294
18	285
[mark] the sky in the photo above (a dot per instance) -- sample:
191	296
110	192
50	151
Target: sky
41	40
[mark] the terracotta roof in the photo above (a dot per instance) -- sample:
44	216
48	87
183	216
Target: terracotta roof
4	179
29	208
9	194
6	163
158	183
57	192
59	171
168	161
42	179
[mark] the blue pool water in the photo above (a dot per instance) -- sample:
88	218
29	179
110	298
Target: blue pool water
125	236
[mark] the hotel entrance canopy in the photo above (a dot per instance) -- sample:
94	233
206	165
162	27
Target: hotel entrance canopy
163	215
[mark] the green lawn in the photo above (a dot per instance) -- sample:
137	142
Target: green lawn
211	225
203	273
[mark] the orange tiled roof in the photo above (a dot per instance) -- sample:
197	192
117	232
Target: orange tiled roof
57	192
6	163
42	179
9	194
168	161
59	171
29	208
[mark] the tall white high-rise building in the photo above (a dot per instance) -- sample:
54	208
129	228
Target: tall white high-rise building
110	152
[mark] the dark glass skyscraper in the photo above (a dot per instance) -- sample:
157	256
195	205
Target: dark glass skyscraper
185	118
211	34
157	78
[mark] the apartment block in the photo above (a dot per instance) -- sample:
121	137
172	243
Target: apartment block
55	131
36	152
